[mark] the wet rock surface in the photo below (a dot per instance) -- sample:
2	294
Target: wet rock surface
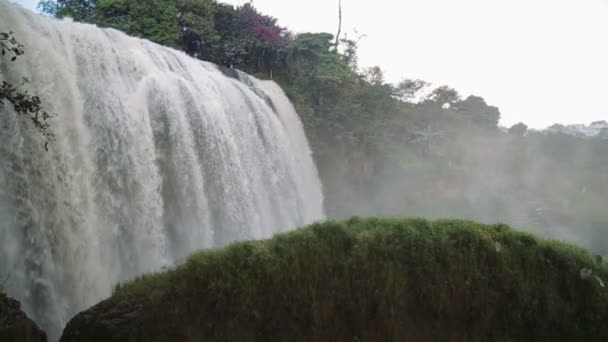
15	326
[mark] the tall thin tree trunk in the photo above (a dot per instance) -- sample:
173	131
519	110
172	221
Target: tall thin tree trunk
339	25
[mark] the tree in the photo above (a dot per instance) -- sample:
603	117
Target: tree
519	129
196	22
444	95
79	10
477	110
113	13
351	47
264	39
231	50
309	55
408	89
156	20
24	104
49	7
339	25
374	75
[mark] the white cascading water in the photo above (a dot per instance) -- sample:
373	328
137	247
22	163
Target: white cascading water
157	155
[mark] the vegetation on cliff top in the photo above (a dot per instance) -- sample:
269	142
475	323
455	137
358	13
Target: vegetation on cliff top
366	280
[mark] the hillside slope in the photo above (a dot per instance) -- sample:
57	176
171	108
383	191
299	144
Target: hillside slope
365	280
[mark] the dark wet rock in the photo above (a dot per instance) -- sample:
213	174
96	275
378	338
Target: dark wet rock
15	326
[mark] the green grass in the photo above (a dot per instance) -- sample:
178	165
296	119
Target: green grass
374	280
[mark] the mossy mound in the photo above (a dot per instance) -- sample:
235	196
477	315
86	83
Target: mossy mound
366	280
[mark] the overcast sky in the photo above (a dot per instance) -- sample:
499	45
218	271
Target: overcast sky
539	61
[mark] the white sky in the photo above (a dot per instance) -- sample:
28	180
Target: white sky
539	61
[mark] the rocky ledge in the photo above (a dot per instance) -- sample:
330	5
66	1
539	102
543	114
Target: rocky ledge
15	326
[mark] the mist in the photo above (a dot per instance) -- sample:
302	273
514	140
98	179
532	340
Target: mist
540	181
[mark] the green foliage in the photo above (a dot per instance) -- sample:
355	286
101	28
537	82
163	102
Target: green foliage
26	105
80	10
9	45
480	113
444	95
384	149
408	89
151	19
196	20
377	280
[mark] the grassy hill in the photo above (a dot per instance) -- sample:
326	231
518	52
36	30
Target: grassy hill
365	280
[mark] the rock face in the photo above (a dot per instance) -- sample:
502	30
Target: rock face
106	322
15	326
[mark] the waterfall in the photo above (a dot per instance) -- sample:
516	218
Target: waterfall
156	155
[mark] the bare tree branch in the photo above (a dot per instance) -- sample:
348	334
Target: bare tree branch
29	106
339	25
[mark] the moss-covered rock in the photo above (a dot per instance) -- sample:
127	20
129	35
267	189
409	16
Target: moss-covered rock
365	280
15	326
